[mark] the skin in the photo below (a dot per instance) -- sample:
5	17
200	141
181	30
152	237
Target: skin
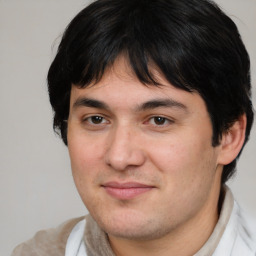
115	135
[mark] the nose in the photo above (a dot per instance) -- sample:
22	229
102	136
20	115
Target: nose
124	149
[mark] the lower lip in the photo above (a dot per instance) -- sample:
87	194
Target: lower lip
126	193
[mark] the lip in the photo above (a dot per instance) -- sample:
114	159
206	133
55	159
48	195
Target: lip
127	190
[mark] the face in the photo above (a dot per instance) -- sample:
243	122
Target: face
141	156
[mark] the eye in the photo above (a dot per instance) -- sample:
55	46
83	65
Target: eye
94	120
159	121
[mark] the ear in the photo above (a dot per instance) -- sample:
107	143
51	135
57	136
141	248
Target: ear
232	141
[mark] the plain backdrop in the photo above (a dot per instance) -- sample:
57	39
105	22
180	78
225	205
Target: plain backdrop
36	186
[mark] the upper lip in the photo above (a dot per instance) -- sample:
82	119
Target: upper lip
114	184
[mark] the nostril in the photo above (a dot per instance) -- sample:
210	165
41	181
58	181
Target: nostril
121	160
123	150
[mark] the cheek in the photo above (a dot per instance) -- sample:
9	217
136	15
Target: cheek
171	155
84	153
184	159
85	165
188	171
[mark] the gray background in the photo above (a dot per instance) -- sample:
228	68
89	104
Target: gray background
36	186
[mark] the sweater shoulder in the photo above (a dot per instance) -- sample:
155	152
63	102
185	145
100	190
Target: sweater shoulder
49	242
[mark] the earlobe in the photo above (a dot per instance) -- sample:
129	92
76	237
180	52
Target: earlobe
232	141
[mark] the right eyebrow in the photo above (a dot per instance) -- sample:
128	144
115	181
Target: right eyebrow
167	103
91	103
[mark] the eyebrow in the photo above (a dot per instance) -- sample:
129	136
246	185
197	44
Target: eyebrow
91	103
170	103
151	104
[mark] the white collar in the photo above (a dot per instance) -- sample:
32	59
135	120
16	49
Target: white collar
75	244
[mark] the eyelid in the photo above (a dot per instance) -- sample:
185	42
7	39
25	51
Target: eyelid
88	116
168	119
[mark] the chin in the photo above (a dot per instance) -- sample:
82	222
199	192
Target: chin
132	226
136	233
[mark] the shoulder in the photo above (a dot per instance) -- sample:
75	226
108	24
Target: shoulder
238	237
246	230
50	242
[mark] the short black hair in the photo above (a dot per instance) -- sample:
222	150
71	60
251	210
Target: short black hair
195	45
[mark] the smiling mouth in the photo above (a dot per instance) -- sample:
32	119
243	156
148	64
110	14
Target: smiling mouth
126	191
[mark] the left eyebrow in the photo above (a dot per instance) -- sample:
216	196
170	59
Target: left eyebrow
91	103
167	103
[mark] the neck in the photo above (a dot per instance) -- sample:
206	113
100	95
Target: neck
186	239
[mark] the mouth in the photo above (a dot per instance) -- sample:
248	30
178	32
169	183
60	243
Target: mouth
126	191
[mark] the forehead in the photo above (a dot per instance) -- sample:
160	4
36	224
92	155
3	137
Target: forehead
121	87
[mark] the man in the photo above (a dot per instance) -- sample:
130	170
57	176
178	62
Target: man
152	99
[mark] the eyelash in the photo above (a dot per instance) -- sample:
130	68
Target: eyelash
101	120
163	120
95	116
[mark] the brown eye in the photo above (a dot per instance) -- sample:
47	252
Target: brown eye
158	120
97	119
94	120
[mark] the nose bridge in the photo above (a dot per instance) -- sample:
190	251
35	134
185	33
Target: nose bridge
123	148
